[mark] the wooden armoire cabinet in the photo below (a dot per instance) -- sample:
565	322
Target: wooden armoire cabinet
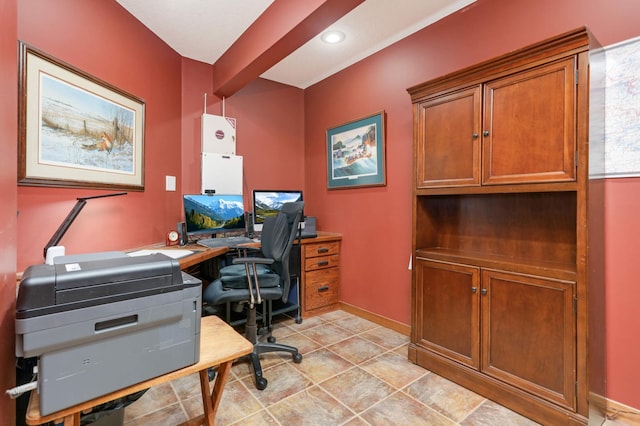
500	233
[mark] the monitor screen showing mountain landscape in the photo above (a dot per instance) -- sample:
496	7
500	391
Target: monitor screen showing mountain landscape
213	213
268	203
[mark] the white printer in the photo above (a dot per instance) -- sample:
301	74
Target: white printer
105	321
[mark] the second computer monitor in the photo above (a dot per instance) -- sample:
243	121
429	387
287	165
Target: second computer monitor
268	202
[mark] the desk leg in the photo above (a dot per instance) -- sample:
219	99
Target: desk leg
211	400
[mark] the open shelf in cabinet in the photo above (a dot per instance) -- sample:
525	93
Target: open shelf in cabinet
532	233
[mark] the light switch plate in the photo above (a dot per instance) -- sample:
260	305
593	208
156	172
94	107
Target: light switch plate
171	183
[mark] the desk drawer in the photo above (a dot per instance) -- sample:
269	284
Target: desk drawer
321	288
323	262
321	249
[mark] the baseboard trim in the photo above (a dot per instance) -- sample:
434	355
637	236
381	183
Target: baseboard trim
615	410
377	319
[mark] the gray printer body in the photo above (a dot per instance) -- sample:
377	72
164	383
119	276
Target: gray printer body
102	322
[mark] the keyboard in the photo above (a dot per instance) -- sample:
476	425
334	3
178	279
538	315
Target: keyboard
224	241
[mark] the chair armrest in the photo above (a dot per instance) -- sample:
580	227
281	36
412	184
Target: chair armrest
256	260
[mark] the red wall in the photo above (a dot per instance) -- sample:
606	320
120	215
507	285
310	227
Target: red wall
101	38
8	228
270	133
104	40
376	222
622	228
196	81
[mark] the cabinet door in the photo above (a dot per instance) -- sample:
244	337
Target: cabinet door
447	140
529	127
529	334
447	310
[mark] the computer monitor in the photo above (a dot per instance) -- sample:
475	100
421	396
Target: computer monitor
268	202
213	214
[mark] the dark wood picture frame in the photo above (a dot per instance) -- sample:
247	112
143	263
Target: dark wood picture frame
76	130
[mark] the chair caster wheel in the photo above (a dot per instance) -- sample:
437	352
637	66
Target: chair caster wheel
298	320
297	358
271	339
261	383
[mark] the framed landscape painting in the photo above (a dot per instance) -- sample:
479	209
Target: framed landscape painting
76	130
356	153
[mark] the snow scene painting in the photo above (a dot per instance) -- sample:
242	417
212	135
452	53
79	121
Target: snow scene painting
79	131
356	153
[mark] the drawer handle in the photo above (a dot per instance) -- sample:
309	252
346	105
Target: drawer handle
323	249
323	263
323	288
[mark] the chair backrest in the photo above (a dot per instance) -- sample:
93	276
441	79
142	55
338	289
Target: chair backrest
278	234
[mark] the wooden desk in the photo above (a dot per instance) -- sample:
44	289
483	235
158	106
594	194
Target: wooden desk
200	253
220	345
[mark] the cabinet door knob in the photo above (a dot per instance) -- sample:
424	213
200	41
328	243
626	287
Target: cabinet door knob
483	291
475	135
474	289
485	133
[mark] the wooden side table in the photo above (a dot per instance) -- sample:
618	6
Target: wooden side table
220	345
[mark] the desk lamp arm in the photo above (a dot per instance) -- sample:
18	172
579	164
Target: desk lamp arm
62	229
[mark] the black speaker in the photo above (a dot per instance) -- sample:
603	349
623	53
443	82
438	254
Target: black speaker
248	224
309	225
182	232
309	230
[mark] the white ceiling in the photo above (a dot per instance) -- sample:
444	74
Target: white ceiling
204	29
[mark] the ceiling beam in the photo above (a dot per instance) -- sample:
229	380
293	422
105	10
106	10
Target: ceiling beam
281	29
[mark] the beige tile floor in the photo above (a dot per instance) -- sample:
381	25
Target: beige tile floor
354	372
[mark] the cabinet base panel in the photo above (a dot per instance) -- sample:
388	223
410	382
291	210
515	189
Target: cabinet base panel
515	399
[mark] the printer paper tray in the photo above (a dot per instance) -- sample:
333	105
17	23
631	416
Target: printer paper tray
63	329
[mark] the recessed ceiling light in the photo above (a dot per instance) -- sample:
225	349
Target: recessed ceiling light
332	37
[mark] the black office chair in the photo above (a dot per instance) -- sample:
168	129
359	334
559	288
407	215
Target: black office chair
265	278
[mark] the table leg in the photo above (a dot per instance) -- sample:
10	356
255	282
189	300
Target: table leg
211	399
72	420
209	413
221	379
